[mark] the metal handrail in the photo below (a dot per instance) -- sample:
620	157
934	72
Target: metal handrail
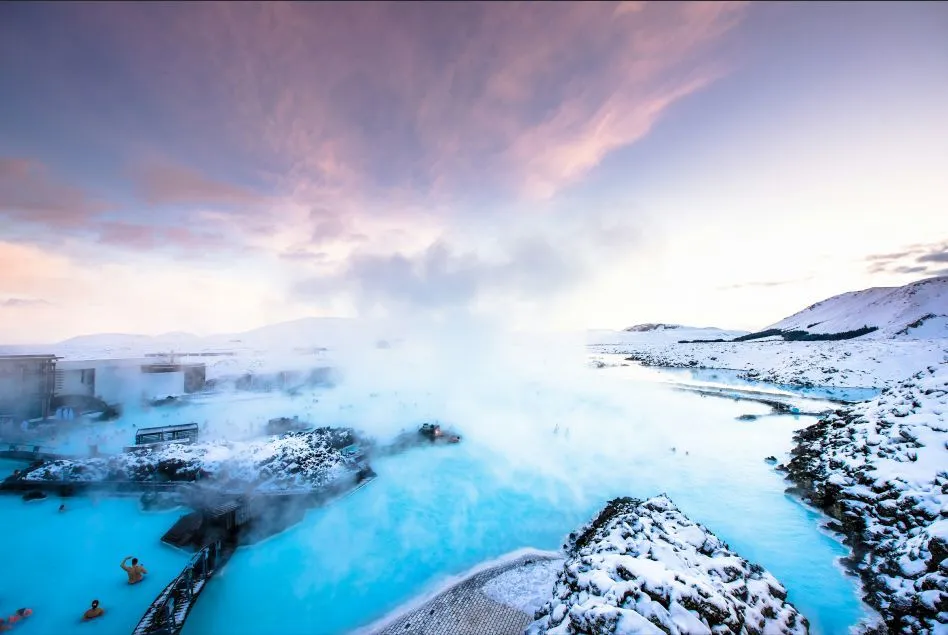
161	616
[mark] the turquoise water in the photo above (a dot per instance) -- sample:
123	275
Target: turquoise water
537	461
434	513
57	562
841	393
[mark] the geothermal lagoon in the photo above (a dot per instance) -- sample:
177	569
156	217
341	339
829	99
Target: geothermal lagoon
536	462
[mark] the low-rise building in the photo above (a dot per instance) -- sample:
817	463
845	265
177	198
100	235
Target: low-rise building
118	380
27	385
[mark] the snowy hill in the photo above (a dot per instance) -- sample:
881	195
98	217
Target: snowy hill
664	334
915	311
825	344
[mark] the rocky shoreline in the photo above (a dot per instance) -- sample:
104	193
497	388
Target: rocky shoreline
839	364
644	567
880	470
293	461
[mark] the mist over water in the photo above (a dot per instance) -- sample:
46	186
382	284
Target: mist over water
547	441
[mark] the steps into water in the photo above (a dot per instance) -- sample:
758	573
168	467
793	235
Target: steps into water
168	612
185	530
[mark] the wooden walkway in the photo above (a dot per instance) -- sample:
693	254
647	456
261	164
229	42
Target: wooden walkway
167	613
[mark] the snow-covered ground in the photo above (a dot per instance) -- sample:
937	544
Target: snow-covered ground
881	469
911	333
644	567
295	461
846	363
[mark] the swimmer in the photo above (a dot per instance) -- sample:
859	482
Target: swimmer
93	612
135	572
62	507
21	614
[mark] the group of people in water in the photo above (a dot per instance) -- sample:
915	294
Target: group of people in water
135	571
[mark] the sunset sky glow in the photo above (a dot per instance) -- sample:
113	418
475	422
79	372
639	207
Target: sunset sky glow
213	167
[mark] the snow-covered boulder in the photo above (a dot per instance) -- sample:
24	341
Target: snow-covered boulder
294	461
881	470
644	567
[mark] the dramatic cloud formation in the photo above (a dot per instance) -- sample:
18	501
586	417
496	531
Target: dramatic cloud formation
583	163
420	95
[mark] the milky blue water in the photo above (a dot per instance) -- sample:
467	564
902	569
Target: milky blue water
57	562
535	464
723	375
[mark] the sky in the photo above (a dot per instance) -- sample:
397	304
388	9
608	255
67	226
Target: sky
213	168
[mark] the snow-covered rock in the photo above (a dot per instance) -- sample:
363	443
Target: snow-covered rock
881	470
294	461
643	567
917	310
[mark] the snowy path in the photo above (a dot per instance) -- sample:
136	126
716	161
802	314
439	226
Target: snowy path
499	600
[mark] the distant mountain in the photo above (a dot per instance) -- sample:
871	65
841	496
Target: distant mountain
306	334
644	328
915	311
649	327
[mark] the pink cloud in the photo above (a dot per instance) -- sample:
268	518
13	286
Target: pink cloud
350	98
29	192
168	184
150	237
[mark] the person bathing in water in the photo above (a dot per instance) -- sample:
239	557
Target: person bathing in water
136	572
21	614
94	611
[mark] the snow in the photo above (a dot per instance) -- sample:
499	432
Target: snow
845	364
513	482
917	310
291	462
524	588
645	567
881	469
912	323
636	334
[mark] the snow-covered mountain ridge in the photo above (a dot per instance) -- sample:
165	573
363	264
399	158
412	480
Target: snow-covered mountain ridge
916	310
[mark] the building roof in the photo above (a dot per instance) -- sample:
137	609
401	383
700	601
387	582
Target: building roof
23	358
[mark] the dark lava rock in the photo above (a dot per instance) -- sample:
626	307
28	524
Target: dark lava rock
850	464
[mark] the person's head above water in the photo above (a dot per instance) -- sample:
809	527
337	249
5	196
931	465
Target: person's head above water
134	561
95	604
